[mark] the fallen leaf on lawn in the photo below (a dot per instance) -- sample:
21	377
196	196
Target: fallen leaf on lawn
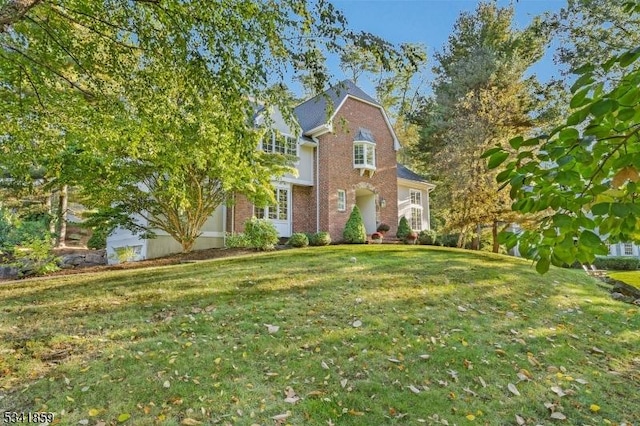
512	388
469	391
414	389
324	365
93	412
519	420
290	395
190	422
281	416
482	382
357	323
166	384
582	381
343	383
462	309
471	417
356	413
85	389
101	423
83	422
596	350
467	364
524	372
595	408
397	361
532	360
557	415
558	391
70	399
272	328
123	417
425	356
500	352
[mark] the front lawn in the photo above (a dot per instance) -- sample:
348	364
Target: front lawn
344	335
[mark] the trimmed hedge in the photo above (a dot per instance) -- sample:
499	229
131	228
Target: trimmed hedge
622	263
403	228
354	231
321	238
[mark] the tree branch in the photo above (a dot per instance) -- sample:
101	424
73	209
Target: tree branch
14	11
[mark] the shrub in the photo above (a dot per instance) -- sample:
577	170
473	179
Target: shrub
427	238
449	240
354	231
298	239
34	257
617	263
320	239
382	228
403	228
261	234
236	240
98	239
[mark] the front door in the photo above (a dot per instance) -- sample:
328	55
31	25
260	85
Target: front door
366	202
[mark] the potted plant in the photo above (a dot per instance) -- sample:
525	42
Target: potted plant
377	237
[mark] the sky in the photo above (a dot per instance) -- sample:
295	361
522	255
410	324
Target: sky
430	22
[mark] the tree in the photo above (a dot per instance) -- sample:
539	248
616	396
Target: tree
591	31
145	105
481	98
354	230
583	176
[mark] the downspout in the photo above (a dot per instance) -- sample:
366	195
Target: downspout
317	149
224	225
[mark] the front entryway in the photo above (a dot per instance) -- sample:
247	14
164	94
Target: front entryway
366	202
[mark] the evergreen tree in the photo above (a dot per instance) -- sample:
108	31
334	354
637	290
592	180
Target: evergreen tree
354	230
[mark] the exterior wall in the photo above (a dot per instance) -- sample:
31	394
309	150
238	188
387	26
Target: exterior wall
336	169
303	208
122	238
304	165
164	245
619	250
404	203
237	213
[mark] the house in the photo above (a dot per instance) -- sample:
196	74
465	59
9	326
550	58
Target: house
346	156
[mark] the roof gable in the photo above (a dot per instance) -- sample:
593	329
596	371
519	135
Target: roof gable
318	112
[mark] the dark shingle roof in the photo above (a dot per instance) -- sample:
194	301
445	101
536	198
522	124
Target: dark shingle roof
364	135
316	111
405	173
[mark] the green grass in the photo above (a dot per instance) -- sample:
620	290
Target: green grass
404	335
629	277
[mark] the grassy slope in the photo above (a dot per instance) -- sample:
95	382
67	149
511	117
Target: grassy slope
443	333
629	277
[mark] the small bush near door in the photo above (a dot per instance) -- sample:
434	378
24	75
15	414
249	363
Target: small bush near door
354	231
261	234
298	239
320	239
403	228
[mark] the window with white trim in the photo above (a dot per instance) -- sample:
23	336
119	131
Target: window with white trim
364	155
415	198
278	211
628	249
279	143
342	200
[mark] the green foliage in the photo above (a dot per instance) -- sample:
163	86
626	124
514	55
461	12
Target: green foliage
621	263
98	239
428	238
383	228
404	228
320	239
17	232
354	230
298	239
34	257
236	240
583	176
261	234
124	254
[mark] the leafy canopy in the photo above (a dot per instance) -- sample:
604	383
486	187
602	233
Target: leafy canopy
583	176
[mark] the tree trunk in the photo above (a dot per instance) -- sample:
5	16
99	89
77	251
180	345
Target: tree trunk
52	217
14	11
494	235
63	203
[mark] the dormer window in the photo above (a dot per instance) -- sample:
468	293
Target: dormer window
279	143
364	152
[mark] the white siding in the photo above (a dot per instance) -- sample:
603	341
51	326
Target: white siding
404	203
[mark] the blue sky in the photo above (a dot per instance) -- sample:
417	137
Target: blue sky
430	22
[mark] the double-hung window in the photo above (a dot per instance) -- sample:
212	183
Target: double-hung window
342	200
416	209
278	211
364	155
279	143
